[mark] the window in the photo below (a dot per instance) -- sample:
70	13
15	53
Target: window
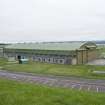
61	61
39	59
56	61
49	60
44	59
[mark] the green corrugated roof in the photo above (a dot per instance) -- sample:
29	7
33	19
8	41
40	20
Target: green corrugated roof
3	45
47	46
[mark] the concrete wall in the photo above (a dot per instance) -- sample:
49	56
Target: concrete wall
74	61
92	54
42	58
84	56
52	59
79	57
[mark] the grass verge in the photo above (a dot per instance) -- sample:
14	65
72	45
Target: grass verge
55	69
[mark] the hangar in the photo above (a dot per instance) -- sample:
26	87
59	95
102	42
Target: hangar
53	52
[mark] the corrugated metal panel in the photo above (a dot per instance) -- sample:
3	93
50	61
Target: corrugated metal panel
46	46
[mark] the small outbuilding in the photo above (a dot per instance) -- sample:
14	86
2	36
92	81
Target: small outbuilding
53	52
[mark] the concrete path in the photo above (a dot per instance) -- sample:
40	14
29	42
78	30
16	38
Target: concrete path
56	81
97	62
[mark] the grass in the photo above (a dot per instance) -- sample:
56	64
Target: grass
15	93
3	61
56	69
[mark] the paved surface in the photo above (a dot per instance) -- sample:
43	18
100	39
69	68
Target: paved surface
97	62
57	81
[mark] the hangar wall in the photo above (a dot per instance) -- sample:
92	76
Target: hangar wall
84	56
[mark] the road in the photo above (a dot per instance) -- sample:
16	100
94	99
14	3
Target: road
56	81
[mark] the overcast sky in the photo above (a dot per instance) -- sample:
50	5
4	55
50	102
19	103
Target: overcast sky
51	20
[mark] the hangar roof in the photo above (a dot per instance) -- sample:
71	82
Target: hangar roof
65	46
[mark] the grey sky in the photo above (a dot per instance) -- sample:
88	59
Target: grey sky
51	20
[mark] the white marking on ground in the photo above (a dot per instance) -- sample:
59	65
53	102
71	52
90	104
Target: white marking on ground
73	86
89	88
80	87
14	77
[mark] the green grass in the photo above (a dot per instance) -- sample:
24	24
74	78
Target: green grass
56	69
15	93
3	61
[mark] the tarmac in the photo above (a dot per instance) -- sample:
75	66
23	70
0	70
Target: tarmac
56	81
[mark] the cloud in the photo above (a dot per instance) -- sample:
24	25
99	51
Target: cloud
50	20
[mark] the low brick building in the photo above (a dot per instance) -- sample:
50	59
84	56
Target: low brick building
55	52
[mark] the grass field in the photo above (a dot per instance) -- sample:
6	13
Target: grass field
15	93
3	61
54	69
